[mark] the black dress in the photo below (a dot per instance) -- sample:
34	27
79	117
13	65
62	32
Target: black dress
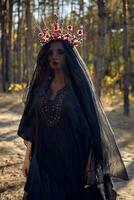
59	133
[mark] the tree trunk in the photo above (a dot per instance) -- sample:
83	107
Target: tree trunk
126	54
99	64
29	40
3	48
19	42
6	44
53	8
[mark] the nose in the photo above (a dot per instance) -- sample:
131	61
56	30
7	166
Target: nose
55	55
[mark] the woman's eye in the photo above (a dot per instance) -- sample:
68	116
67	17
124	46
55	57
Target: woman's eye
61	52
58	52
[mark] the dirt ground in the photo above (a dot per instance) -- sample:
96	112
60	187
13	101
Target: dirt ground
12	148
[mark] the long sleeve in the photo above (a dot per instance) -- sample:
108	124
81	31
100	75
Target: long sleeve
26	126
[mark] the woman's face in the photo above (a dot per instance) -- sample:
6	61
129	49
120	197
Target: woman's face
56	55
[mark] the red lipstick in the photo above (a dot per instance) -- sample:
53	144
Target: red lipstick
55	63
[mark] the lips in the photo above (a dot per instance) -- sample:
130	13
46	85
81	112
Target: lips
55	63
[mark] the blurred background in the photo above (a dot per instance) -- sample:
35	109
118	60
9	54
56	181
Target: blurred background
108	51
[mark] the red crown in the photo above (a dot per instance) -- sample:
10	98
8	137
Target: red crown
57	32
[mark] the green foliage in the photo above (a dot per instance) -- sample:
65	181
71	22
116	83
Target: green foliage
15	87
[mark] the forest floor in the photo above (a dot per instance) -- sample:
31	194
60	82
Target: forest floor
12	148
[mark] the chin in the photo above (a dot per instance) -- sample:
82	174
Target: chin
56	67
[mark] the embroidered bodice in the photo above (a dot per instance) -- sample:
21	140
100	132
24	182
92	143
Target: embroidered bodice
51	108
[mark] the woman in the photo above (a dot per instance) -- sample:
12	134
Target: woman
71	151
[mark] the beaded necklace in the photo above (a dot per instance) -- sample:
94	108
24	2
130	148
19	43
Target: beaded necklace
51	108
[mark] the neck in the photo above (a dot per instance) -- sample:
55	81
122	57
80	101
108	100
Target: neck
59	77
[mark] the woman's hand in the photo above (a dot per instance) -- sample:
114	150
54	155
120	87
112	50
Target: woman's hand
25	167
26	164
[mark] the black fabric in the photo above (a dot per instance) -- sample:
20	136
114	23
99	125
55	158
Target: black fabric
93	193
79	149
110	193
60	151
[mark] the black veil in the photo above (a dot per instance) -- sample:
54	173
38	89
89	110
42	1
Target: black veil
111	159
104	157
106	153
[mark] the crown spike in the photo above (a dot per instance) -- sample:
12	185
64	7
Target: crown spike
57	32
